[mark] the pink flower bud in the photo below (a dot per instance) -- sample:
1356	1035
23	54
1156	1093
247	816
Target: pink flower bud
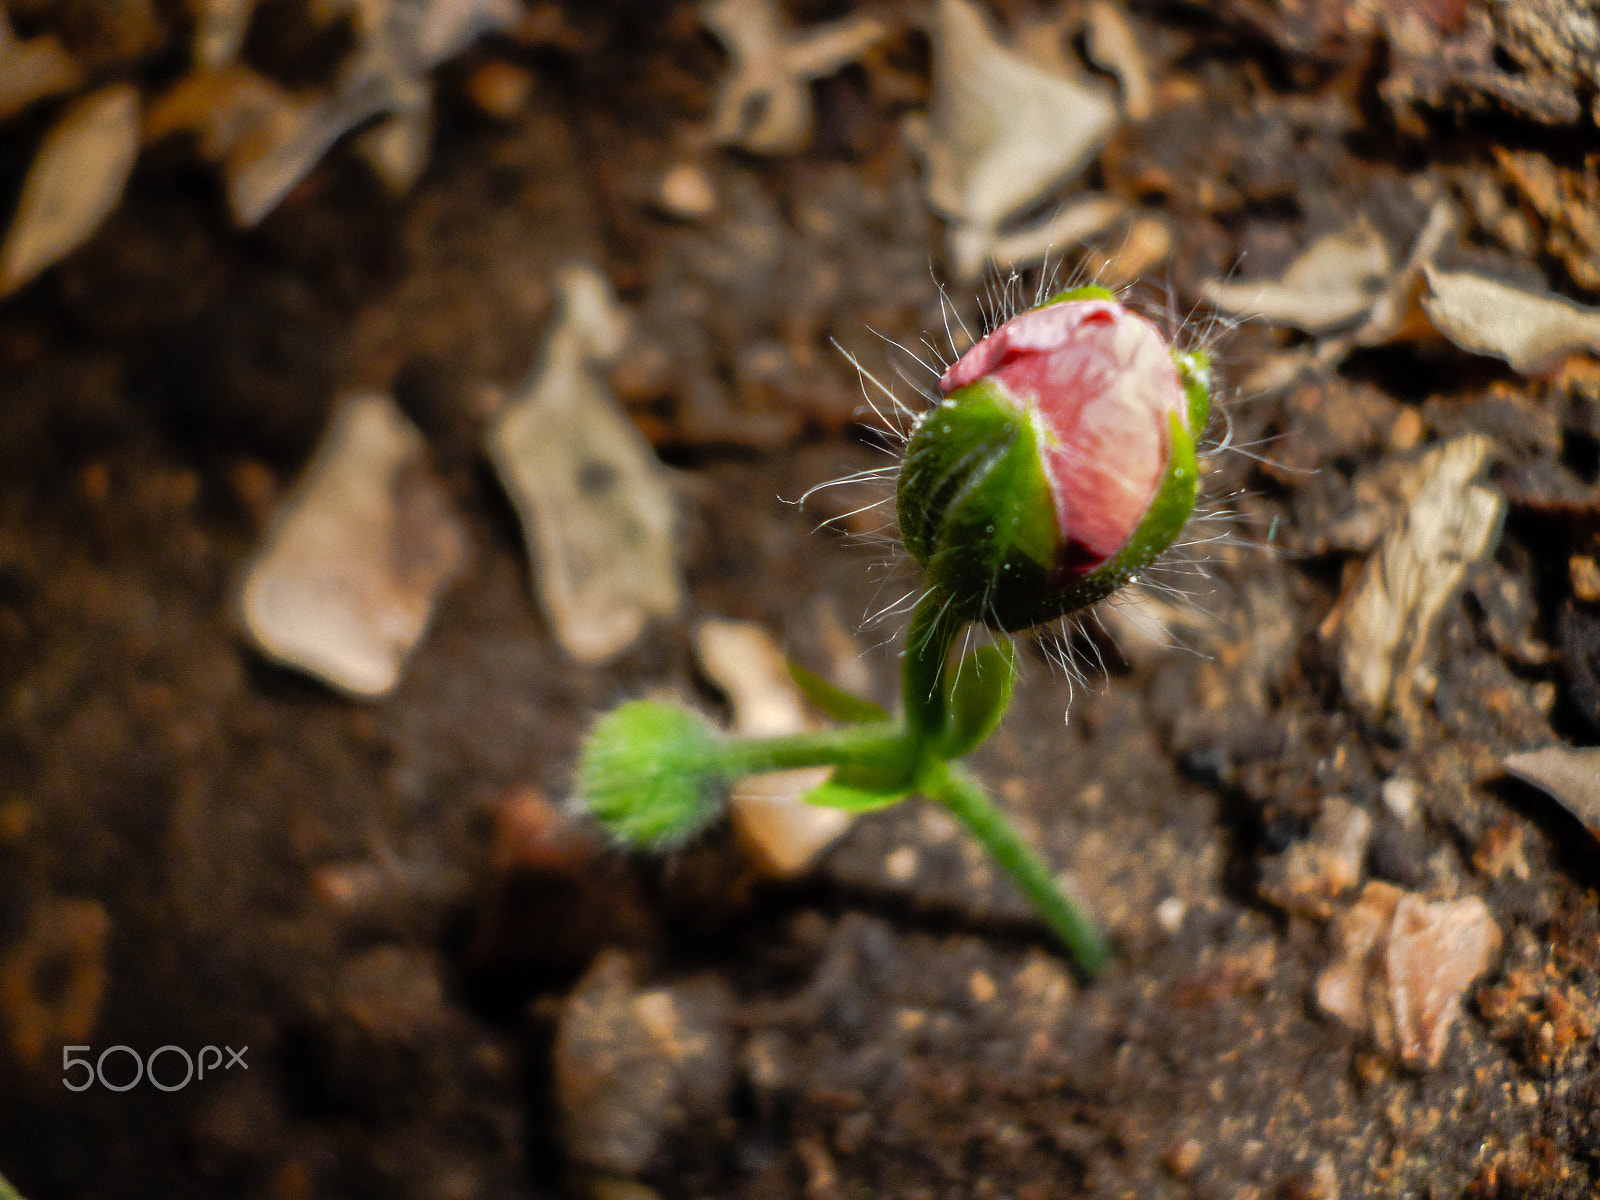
1101	387
1059	464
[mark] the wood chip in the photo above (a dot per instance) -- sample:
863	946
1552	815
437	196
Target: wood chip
362	550
1003	131
1530	330
219	29
1113	44
784	834
75	181
595	509
1385	628
764	103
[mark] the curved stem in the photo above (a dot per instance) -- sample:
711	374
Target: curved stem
965	798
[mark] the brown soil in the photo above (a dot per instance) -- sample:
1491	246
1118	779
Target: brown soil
230	855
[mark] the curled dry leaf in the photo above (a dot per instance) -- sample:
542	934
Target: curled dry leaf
1531	331
596	513
1571	775
75	181
1387	623
362	550
219	29
33	69
1402	965
1330	284
763	104
1002	132
1114	45
784	833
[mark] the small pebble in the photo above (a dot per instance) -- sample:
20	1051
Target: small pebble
981	987
901	864
500	89
1400	797
686	191
1170	913
1585	574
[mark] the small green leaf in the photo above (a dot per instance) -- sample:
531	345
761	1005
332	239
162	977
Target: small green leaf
835	701
860	789
1090	291
978	691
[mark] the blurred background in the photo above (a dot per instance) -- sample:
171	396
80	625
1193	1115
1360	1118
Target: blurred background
388	387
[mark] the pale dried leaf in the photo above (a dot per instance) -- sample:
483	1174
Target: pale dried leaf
1571	775
971	247
362	549
1115	46
596	512
32	70
1387	625
75	181
1397	314
219	29
1402	965
783	833
1003	130
1532	331
1434	953
1330	284
764	104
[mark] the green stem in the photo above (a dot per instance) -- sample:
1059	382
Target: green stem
881	744
7	1192
966	800
934	626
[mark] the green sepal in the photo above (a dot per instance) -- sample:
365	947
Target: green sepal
1091	291
977	693
860	790
834	701
651	774
1194	371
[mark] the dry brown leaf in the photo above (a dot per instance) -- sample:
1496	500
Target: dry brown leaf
1330	284
75	181
1386	627
1113	44
764	104
1002	131
363	548
32	70
595	510
1530	330
1571	775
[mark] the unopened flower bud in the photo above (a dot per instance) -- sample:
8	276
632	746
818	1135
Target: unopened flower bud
1058	464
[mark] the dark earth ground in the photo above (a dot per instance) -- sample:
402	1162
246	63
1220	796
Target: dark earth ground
238	857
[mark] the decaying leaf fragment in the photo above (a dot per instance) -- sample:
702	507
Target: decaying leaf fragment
359	555
783	833
1532	332
1571	775
1330	284
269	139
1001	133
595	510
33	69
75	181
1386	625
1402	966
764	104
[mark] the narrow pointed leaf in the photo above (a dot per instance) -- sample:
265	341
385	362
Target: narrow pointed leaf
835	701
859	789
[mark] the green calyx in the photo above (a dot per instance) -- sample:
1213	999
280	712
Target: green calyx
652	775
976	511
